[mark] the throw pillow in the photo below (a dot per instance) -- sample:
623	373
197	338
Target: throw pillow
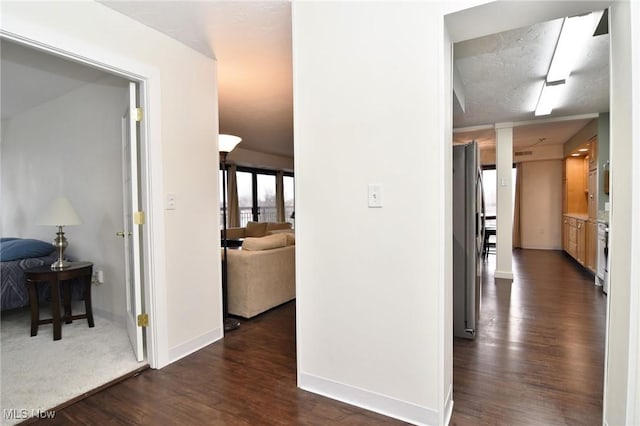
256	229
24	249
264	243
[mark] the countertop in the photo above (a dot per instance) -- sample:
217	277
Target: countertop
581	216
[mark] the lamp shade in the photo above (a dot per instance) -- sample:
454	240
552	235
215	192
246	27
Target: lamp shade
59	212
226	143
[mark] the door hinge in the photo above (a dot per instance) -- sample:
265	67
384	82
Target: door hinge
138	218
143	320
138	114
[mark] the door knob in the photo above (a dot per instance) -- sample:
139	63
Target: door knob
122	234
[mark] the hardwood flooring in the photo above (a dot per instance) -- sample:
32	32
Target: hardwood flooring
248	378
538	360
539	355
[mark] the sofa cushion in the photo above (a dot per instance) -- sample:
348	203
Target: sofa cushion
264	243
291	239
273	226
256	229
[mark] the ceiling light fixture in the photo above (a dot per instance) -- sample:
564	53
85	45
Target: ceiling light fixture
549	97
574	35
583	149
575	155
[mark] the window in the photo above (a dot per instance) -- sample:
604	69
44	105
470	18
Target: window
289	195
490	185
245	196
257	195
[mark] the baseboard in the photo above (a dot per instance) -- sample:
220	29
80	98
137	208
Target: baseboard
503	275
448	406
118	319
401	410
187	348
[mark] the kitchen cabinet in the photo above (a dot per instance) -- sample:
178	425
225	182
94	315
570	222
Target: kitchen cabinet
576	239
593	153
580	241
591	246
592	191
576	200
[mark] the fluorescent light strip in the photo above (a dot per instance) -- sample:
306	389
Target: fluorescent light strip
549	97
574	35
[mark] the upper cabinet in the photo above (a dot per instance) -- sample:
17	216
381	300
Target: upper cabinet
580	184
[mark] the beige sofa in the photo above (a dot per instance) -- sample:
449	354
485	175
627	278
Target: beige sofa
261	274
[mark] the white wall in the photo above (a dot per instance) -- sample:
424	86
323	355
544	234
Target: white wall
538	153
71	146
182	124
541	205
369	109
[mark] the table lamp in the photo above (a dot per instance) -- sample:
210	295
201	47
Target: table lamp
59	213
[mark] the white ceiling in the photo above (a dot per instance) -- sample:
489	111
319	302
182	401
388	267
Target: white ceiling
252	42
30	78
502	73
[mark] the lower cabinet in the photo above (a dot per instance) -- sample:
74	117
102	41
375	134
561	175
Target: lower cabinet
591	245
579	237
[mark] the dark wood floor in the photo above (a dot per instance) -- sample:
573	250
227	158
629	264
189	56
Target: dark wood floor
538	360
539	355
248	378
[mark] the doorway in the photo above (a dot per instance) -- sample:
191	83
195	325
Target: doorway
72	139
508	298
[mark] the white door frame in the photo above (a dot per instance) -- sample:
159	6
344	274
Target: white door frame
151	183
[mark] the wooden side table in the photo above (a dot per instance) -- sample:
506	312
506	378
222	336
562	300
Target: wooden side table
44	274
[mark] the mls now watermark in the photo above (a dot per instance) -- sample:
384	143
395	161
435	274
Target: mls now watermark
24	413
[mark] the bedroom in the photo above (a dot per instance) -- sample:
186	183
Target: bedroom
61	136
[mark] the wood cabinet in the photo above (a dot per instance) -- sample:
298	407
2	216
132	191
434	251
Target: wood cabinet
580	200
592	195
591	246
593	153
575	196
580	241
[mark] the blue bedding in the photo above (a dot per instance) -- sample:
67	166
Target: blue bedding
13	287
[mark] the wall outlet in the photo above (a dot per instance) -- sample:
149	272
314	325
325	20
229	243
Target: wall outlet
97	277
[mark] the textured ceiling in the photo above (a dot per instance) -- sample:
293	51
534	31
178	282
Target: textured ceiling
502	77
501	73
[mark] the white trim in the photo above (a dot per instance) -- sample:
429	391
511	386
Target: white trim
368	400
59	45
110	316
187	348
633	392
448	407
503	275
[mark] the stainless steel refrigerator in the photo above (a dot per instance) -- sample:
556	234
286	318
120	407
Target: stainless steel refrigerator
468	239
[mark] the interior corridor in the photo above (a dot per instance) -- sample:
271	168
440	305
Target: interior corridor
539	355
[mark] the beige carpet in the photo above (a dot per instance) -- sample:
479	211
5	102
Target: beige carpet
39	374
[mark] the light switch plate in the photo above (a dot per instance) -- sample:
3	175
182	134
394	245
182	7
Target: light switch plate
170	202
375	195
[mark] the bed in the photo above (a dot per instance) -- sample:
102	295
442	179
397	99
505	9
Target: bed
16	255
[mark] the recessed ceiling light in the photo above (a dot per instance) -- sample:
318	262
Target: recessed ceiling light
583	149
575	155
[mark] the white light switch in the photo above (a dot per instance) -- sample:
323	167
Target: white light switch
375	195
170	201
